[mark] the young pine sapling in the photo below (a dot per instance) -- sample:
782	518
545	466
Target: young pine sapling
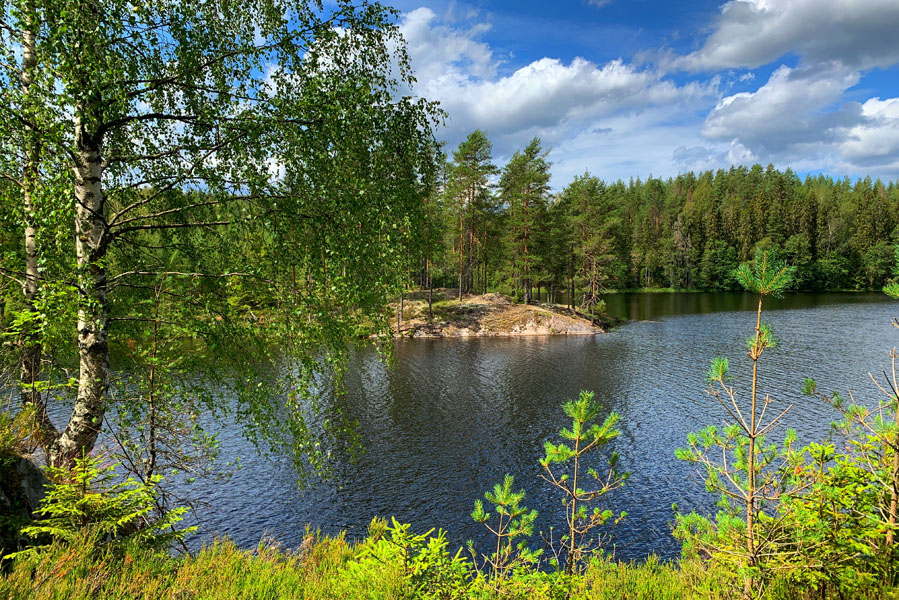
563	468
513	522
747	472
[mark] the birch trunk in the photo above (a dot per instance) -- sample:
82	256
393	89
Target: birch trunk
93	348
32	351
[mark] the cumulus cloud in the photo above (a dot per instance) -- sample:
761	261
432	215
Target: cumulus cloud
875	142
624	117
749	33
708	157
442	53
548	97
794	112
634	144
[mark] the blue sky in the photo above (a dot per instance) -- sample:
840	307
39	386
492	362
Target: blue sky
629	88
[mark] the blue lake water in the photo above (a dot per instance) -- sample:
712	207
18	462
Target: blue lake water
453	416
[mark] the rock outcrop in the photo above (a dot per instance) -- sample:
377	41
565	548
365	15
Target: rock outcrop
491	315
22	487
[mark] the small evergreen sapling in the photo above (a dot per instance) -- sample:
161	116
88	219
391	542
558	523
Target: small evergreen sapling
563	469
740	465
87	501
513	522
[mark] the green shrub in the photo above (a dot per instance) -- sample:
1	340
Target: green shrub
406	564
88	502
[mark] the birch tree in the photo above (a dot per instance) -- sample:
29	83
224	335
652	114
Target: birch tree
225	150
33	224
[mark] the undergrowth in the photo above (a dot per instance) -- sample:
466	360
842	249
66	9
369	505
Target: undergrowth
390	563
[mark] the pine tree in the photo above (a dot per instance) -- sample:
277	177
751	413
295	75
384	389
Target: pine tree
524	187
469	190
591	222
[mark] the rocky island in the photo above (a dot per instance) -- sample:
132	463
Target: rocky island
487	315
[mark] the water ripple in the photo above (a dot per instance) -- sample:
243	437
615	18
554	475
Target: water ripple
454	416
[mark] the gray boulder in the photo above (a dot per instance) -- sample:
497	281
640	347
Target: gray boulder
22	487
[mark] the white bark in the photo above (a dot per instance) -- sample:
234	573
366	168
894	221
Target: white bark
93	348
32	351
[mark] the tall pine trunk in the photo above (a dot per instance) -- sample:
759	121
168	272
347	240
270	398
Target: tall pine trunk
461	244
430	289
571	281
485	260
527	266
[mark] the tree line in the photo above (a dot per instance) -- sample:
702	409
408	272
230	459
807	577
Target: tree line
505	230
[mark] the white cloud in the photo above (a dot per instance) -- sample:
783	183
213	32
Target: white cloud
626	145
801	119
598	3
442	53
750	33
796	112
620	119
875	143
707	157
549	98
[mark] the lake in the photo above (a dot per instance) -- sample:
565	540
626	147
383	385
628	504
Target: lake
454	415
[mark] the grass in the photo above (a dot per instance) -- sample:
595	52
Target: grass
390	564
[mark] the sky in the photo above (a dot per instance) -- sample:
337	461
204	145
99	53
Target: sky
633	88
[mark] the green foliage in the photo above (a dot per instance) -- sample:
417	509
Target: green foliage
524	188
766	275
512	527
891	289
564	470
719	370
687	232
424	567
88	501
469	208
842	531
825	515
257	159
763	340
830	536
